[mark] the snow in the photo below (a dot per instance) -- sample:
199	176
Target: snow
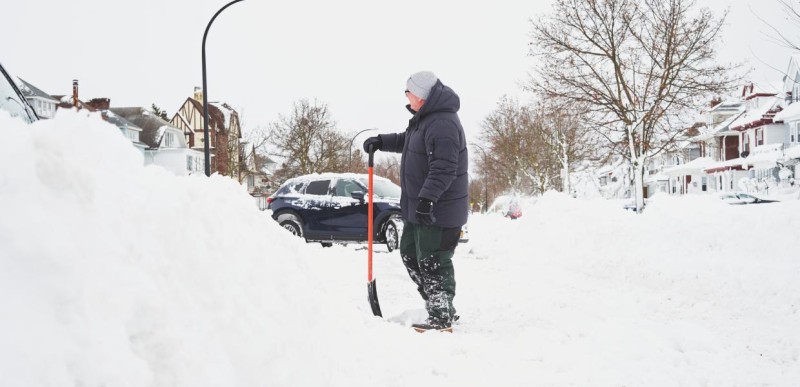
756	113
692	167
790	113
122	275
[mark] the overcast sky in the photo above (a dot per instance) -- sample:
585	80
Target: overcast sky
353	55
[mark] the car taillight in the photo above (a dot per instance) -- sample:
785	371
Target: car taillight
270	199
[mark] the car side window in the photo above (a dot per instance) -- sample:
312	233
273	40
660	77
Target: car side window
297	187
345	187
319	187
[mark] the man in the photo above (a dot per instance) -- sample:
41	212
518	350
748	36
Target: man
435	187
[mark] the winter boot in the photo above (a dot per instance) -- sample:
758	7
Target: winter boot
433	326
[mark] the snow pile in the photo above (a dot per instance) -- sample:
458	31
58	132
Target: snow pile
117	274
122	275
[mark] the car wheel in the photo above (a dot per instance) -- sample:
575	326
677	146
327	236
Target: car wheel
326	244
391	236
291	223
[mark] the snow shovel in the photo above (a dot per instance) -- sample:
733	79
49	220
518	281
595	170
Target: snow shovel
372	290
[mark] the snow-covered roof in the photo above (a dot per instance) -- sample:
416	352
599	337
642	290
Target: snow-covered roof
28	90
656	177
765	156
695	166
719	128
790	113
119	121
756	114
226	111
331	175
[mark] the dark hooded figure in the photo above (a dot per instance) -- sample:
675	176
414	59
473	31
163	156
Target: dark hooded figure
435	192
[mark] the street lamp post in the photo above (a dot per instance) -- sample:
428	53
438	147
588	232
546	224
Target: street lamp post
206	140
350	149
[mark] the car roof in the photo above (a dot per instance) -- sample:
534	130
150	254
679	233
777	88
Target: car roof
331	175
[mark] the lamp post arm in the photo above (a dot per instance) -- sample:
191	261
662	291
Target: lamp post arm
350	149
206	149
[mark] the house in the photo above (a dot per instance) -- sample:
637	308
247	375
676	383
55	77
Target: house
713	143
166	144
257	172
756	138
790	116
101	105
614	179
224	132
43	103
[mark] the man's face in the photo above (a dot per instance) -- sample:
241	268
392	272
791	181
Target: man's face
415	102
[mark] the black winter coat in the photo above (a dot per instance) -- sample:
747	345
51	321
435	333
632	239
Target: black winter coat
434	163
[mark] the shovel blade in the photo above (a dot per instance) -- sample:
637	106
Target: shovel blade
372	292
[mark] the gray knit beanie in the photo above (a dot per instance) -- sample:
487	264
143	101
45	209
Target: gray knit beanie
421	83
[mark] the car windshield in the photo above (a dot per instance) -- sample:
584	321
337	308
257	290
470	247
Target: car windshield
383	188
10	100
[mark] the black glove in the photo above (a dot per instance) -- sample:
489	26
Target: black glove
425	212
376	143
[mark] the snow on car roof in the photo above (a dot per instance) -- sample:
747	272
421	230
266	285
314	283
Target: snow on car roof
332	175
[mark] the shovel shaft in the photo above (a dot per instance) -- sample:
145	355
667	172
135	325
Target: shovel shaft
372	288
370	230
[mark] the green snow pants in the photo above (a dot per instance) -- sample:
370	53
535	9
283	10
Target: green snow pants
427	253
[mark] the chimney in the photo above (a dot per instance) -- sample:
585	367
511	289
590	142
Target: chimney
75	92
198	94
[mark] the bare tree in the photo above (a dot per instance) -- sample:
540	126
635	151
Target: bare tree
568	136
515	155
389	167
259	141
786	37
638	66
308	141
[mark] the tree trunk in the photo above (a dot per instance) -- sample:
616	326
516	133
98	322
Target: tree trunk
565	167
638	182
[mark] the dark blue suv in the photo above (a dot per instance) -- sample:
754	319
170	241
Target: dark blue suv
332	207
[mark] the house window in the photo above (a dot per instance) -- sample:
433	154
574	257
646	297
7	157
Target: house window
759	137
795	132
704	184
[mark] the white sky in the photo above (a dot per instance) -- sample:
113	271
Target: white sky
353	55
109	278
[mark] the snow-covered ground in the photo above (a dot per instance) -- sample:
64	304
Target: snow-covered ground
113	274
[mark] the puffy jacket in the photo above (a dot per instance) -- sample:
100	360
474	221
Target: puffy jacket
434	161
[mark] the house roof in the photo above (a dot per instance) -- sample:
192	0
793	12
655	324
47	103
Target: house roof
757	116
28	90
153	126
119	121
216	116
693	167
719	128
763	157
791	113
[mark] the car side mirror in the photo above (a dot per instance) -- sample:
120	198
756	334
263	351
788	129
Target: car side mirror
357	195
